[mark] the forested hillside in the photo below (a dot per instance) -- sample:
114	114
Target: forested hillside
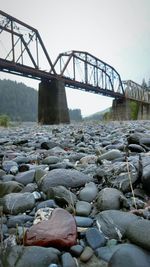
20	102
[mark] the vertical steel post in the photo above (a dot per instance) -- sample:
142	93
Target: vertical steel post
12	41
86	69
74	72
37	52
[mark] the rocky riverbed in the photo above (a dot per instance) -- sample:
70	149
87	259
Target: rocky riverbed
75	195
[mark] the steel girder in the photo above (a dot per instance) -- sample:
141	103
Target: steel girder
88	71
22	44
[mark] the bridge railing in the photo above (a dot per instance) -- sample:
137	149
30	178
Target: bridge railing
136	92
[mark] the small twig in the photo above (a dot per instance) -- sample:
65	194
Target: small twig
1	226
130	181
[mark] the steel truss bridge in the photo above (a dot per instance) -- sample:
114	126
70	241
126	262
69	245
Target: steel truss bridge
22	52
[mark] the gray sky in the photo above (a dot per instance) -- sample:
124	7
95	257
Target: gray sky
116	31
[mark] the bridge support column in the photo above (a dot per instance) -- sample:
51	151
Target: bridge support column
120	109
144	111
52	103
127	109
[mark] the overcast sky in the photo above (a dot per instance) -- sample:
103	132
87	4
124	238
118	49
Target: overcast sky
116	31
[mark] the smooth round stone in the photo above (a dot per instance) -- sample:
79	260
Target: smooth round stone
95	238
108	199
129	255
86	254
67	260
9	187
138	233
64	177
50	203
15	203
134	138
83	221
62	196
51	160
83	208
110	155
145	141
136	148
21	256
18	220
25	177
76	250
89	192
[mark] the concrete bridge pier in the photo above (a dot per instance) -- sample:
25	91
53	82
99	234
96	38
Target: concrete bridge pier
52	103
128	109
120	109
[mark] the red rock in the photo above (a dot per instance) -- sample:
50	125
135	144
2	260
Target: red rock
59	231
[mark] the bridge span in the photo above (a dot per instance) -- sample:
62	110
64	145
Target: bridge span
22	52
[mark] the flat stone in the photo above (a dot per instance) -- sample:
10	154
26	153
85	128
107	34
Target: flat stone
62	196
25	177
138	233
18	220
76	250
50	203
59	231
51	160
16	203
89	192
83	221
110	155
83	208
67	178
94	238
108	199
136	148
86	254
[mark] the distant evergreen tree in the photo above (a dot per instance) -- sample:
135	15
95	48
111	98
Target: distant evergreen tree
144	84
